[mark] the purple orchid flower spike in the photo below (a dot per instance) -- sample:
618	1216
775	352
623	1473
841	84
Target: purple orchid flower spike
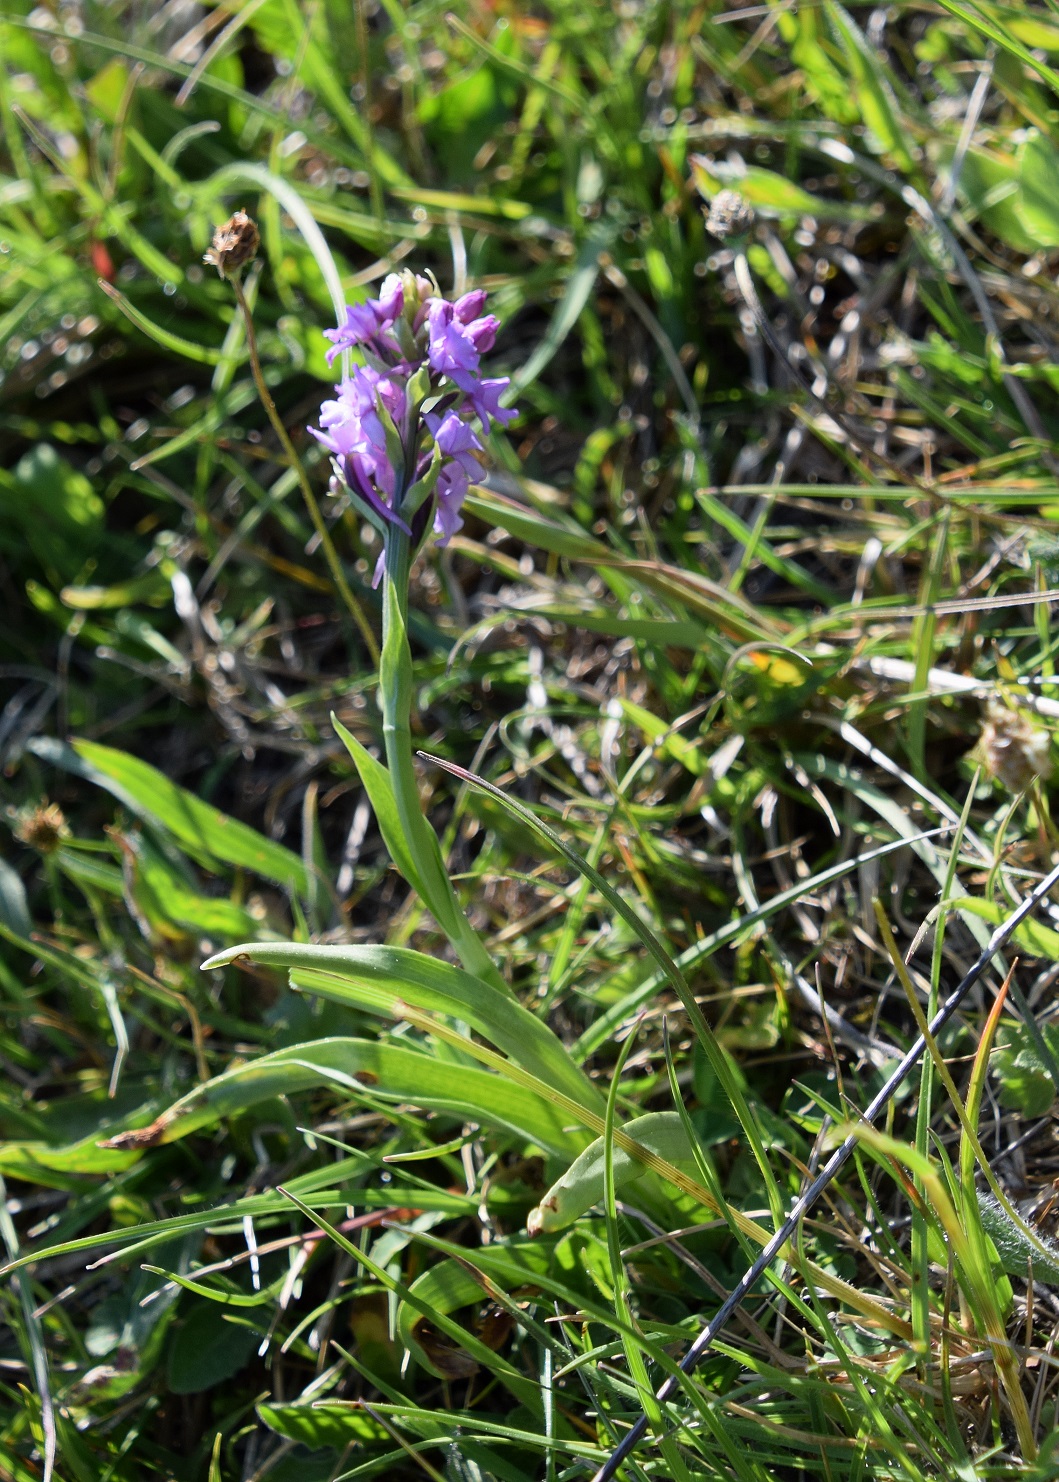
403	425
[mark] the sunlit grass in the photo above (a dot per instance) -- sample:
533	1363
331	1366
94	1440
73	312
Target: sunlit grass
753	615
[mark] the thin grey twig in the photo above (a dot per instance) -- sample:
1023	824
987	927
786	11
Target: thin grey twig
975	104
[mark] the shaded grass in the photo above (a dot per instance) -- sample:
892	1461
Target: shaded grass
764	499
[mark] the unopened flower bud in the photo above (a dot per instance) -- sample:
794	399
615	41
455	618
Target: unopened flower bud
730	215
417	290
234	245
470	306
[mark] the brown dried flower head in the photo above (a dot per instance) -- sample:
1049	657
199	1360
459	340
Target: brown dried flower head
730	215
43	828
1013	749
234	245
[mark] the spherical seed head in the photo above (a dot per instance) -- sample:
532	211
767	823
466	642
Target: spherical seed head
43	828
729	215
1013	749
234	245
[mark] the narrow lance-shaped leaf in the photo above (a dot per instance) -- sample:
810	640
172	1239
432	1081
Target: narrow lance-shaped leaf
377	784
395	687
202	829
380	979
392	1073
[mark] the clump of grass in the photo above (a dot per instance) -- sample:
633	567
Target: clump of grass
727	635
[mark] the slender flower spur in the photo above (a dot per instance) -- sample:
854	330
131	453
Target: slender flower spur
401	427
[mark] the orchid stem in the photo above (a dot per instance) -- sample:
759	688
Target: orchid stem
395	699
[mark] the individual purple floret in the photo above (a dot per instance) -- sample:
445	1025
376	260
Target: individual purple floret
457	443
368	322
400	428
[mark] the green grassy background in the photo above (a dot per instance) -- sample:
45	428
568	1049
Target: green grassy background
764	500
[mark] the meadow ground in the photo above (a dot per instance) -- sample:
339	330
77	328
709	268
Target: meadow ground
748	630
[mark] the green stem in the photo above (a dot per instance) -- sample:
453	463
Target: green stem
395	690
398	571
356	612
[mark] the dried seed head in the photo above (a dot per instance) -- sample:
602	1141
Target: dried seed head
729	215
43	828
1013	749
234	244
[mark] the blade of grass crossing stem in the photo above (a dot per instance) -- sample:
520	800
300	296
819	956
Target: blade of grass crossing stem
920	1243
571	927
633	1352
707	1172
715	1054
922	641
834	1165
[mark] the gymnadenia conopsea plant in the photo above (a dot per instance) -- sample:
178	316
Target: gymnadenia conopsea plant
403	434
404	431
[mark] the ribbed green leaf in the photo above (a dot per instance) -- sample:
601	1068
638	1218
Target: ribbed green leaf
379	979
392	1073
379	788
